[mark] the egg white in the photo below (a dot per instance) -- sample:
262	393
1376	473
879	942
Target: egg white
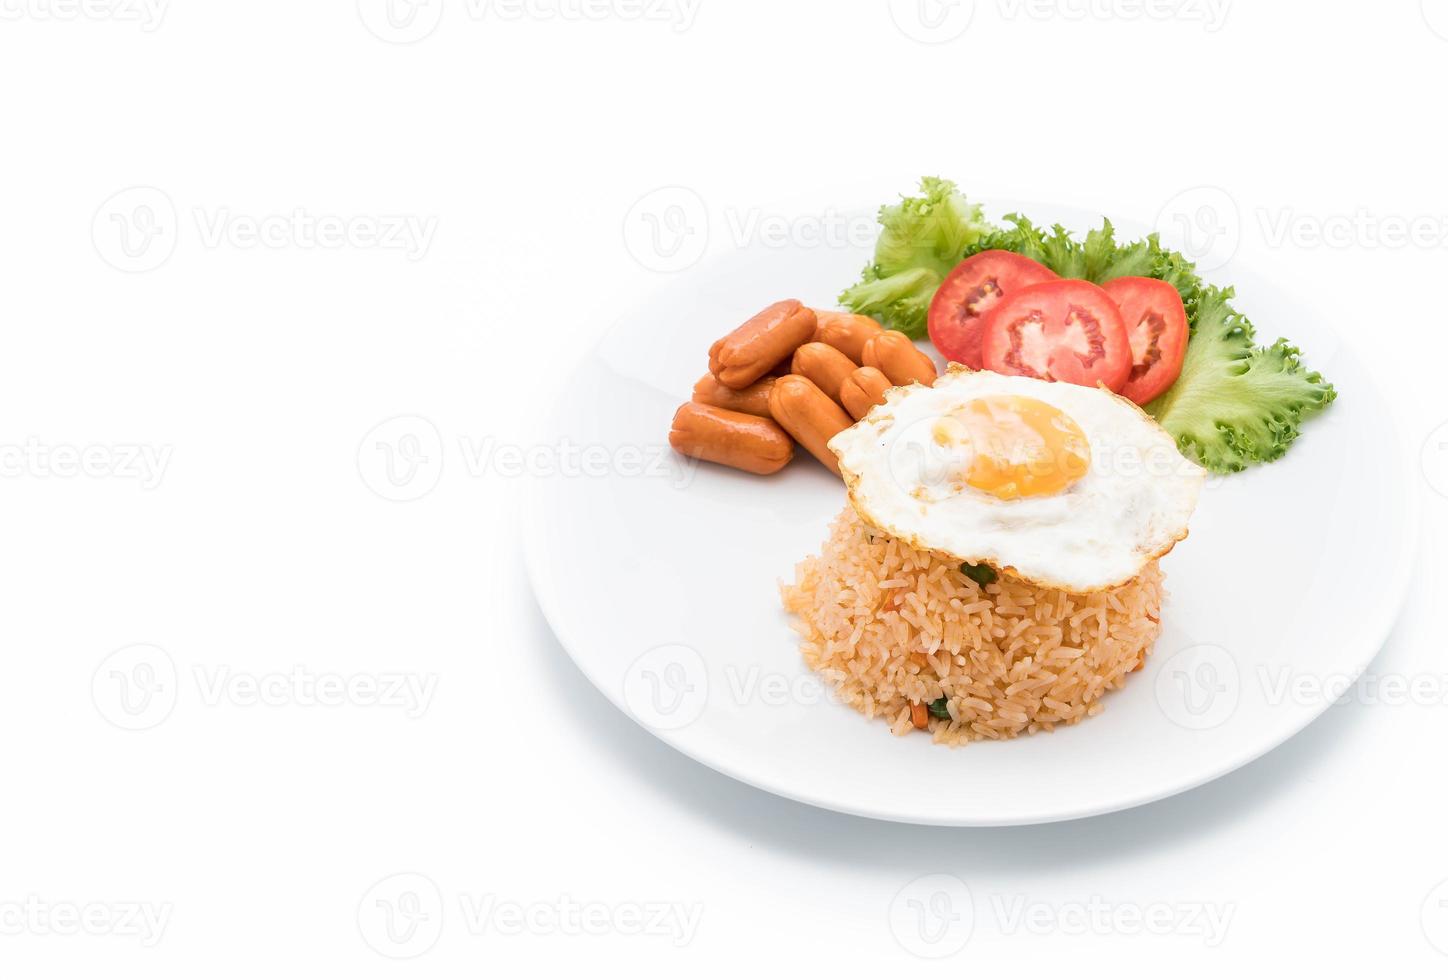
1129	508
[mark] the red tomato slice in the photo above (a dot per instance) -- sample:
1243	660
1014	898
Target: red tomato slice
1156	325
1066	330
957	312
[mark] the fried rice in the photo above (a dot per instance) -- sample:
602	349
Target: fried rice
889	626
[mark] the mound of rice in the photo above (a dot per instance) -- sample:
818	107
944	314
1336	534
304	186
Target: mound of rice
887	625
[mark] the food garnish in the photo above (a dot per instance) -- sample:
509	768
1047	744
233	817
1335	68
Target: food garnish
1156	325
921	240
1230	405
980	574
1059	330
1236	404
958	312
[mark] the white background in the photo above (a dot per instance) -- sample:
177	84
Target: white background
264	835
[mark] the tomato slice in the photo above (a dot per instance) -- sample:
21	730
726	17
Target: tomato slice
957	311
1066	330
1156	325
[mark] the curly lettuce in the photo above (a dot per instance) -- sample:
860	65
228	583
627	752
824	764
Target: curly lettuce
1097	257
921	240
1235	403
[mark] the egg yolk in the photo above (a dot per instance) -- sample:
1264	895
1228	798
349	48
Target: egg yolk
1018	447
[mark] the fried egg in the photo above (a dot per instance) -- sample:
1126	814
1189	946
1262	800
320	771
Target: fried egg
1065	486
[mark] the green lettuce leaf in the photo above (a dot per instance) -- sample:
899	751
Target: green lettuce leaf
921	240
1236	404
1097	257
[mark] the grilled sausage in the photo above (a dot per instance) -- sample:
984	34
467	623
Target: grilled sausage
746	355
809	415
845	332
753	400
863	390
824	365
745	442
894	356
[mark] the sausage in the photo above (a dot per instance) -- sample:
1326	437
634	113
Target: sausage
824	365
745	442
782	368
863	390
753	400
809	415
845	332
892	353
746	355
778	370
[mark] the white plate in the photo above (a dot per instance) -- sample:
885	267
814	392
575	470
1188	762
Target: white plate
661	581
